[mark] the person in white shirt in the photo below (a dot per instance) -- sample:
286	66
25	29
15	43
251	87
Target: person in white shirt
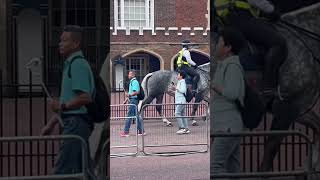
180	100
186	64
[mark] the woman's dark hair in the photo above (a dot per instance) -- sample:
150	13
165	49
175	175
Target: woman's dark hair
182	73
233	38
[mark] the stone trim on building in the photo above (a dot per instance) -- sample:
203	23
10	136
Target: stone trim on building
167	31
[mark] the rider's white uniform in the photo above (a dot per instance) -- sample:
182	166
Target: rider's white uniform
263	5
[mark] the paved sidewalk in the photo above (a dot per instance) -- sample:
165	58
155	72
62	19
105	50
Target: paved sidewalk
185	167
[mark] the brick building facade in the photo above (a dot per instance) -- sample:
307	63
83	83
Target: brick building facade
146	35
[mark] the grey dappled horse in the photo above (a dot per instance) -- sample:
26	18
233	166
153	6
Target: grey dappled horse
299	76
157	83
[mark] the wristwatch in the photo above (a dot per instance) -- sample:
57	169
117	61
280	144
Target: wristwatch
63	107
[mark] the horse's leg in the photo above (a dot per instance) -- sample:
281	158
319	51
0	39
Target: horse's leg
147	100
198	99
159	100
281	121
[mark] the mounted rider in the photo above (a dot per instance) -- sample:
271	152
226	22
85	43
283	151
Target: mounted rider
186	64
244	15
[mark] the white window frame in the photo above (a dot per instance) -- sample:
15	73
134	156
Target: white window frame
144	61
149	18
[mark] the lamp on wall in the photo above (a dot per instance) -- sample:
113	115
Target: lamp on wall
119	60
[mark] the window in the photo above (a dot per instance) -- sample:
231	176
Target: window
133	13
139	63
78	12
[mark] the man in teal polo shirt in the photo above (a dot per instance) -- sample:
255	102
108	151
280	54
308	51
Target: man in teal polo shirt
76	91
134	90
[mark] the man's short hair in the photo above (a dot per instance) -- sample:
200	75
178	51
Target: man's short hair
183	74
133	71
76	32
233	38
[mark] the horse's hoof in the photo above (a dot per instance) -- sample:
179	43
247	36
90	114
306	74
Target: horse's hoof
195	123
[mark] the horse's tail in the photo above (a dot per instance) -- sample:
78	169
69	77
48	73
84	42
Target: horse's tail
144	83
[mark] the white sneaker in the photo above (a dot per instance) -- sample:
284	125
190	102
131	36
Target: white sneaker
180	131
186	131
142	134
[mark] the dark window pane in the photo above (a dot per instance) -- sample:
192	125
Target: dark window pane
81	17
81	3
92	3
56	18
56	3
71	17
105	3
103	53
91	18
92	54
55	38
70	4
105	18
91	36
105	37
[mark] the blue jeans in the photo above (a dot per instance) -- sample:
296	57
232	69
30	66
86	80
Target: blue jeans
225	155
183	122
132	112
70	153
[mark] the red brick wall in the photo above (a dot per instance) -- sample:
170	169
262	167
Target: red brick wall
191	13
176	13
165	13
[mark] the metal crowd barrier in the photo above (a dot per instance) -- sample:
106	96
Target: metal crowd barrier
267	174
105	172
121	115
145	121
77	176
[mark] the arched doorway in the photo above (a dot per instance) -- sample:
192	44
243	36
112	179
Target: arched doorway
143	62
198	57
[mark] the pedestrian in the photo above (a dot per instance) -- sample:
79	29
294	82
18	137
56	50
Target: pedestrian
134	90
226	118
76	92
180	100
